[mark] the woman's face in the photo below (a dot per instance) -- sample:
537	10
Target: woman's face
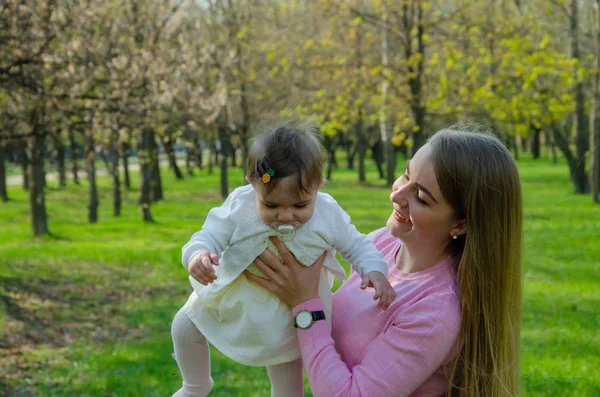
421	215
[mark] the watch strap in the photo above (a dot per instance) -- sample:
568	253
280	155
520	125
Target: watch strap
318	315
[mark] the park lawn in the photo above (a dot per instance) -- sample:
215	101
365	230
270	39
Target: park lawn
87	311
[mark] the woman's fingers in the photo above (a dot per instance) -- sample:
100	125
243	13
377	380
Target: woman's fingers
267	269
271	260
263	282
319	262
286	255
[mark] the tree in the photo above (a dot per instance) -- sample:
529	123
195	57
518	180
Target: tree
595	114
579	174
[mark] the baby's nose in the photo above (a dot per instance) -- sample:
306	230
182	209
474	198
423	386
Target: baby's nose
285	216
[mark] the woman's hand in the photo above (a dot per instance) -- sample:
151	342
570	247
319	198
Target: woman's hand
291	281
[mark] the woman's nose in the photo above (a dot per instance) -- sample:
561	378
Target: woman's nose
398	196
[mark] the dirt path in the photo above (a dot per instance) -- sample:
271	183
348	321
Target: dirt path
50	176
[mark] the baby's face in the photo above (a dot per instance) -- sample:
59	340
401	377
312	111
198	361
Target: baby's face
280	206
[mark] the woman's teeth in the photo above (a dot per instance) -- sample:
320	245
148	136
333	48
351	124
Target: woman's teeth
400	217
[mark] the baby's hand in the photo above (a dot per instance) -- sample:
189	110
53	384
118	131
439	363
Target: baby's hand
383	289
201	267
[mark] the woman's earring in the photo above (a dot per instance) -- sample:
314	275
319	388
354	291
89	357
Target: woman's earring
454	237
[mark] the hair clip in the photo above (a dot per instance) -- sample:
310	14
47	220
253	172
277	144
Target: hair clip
266	177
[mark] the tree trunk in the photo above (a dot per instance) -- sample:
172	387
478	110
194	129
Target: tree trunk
144	146
515	147
73	145
350	153
361	148
244	107
24	161
116	187
3	191
233	157
114	152
553	150
105	154
90	166
224	138
168	145
124	153
330	162
39	220
535	142
329	145
415	76
377	152
595	165
595	115
60	159
217	150
244	159
581	131
199	156
197	153
384	127
156	192
189	158
563	144
210	160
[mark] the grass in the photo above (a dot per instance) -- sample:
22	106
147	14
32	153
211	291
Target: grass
87	311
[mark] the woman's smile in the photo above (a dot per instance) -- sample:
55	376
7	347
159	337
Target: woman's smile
400	218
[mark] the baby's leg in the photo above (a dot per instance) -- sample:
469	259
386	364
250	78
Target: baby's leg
286	379
193	357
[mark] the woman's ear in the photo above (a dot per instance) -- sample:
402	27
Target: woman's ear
460	228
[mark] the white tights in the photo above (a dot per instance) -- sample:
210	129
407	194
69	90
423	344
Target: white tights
193	358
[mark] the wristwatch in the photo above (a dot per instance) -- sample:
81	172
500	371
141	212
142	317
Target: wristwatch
305	319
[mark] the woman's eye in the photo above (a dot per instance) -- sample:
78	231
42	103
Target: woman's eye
420	200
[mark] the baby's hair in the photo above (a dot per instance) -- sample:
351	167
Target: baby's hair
286	150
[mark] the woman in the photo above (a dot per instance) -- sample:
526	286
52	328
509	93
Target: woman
453	247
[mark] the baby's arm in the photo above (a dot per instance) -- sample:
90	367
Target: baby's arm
201	267
201	253
383	289
365	258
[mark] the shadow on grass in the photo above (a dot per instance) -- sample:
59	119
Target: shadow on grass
55	313
57	237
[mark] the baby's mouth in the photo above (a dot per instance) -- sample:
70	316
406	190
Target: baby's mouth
286	231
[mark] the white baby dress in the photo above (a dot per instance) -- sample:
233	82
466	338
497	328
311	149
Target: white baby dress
243	320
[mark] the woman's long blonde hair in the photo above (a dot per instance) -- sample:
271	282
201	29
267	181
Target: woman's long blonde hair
479	178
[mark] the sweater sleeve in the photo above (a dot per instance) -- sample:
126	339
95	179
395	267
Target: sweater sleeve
396	363
357	248
216	231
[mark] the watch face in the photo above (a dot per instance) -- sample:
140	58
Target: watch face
303	319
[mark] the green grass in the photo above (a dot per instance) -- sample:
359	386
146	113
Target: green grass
87	311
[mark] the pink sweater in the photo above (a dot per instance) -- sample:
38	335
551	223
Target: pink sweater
399	352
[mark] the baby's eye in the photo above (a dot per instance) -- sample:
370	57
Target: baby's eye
300	205
271	206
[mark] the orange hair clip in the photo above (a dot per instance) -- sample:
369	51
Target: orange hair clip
266	177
